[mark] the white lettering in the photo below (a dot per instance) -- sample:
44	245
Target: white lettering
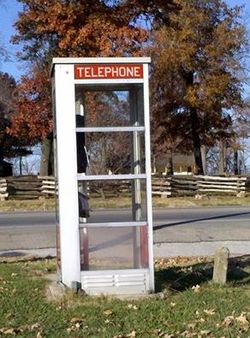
101	72
108	71
122	72
80	71
87	71
130	71
115	71
137	71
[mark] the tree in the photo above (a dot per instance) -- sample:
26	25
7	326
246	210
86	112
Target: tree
66	28
75	28
7	94
9	146
197	75
33	119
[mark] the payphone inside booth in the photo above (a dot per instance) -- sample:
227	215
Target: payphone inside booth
102	142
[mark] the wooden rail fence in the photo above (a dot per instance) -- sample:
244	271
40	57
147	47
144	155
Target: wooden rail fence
200	185
34	187
3	189
48	186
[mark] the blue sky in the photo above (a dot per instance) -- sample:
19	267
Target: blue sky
9	12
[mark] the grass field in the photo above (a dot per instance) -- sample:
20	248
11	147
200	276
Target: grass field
190	305
123	202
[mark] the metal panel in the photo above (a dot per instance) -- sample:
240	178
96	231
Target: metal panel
109	81
115	282
148	173
96	60
113	224
67	185
108	129
83	177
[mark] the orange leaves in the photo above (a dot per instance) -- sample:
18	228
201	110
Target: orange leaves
88	28
196	68
65	28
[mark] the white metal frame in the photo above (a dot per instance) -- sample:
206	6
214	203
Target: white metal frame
67	168
63	72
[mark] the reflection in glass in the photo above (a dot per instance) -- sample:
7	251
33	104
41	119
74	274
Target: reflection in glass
127	198
105	248
106	153
108	107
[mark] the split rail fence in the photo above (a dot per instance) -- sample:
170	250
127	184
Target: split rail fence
34	187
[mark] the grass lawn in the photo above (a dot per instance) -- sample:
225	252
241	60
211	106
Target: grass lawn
190	306
124	202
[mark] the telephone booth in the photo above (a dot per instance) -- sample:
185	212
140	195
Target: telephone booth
102	158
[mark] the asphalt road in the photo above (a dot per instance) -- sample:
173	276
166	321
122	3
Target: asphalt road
173	228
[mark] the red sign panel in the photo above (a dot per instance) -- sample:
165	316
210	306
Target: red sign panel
103	71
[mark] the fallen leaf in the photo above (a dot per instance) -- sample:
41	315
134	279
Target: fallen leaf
9	331
188	334
196	288
209	312
228	321
243	322
76	320
205	332
35	326
9	315
108	312
201	320
191	326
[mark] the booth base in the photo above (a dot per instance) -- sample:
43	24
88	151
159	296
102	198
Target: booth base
116	282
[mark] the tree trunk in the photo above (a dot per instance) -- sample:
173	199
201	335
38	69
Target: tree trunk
204	158
221	158
196	142
46	164
236	167
20	166
195	125
170	166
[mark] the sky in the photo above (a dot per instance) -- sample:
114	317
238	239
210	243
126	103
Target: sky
9	12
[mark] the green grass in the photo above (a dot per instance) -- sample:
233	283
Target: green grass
207	310
125	202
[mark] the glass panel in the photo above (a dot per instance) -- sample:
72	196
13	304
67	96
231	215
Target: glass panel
110	106
114	248
115	152
112	201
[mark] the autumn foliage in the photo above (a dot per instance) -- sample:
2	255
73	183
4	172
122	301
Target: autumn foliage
197	49
77	28
33	120
197	76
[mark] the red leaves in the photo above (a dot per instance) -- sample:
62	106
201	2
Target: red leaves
33	118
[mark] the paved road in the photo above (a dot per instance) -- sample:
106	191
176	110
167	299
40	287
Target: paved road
175	230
